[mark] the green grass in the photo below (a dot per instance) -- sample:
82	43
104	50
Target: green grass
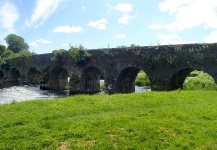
156	120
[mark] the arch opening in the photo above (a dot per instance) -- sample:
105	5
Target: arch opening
190	79
14	75
131	79
90	80
199	80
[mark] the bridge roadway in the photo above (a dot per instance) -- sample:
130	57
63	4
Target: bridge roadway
167	67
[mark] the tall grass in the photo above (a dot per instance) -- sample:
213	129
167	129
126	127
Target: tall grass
156	120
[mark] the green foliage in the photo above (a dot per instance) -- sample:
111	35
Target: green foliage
102	87
16	43
43	73
80	56
142	79
7	54
67	87
122	46
134	46
4	64
199	80
2	49
57	55
156	120
23	53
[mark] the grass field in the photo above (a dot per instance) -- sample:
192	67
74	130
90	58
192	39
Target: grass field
156	120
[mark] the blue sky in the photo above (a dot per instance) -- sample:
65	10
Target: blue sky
47	25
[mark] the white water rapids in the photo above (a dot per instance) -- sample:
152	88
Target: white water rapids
25	92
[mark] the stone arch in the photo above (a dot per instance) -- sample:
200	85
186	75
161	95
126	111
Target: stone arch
13	75
177	80
126	80
1	75
90	80
33	75
58	79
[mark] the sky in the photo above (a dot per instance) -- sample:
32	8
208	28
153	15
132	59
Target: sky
48	25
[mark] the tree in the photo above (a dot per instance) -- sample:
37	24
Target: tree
7	54
133	46
16	43
2	49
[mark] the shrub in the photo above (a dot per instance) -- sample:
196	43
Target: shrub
80	56
57	56
22	53
142	79
199	80
102	87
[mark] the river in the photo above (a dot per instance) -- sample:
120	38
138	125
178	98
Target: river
29	92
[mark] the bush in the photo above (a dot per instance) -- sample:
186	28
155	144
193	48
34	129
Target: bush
102	87
199	80
80	56
142	79
23	53
57	56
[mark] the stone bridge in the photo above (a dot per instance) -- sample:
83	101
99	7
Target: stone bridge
167	67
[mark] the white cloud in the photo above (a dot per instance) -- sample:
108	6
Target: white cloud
99	24
8	15
34	44
39	41
66	44
44	9
171	39
188	14
172	6
68	29
125	18
212	38
120	36
43	41
125	8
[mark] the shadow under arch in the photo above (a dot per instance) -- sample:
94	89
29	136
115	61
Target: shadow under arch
58	79
90	80
126	80
13	75
1	76
33	76
178	79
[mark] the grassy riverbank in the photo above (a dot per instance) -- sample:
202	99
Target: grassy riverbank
156	120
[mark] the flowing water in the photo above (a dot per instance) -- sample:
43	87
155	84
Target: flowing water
26	92
20	93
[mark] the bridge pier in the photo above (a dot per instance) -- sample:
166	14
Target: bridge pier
109	82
